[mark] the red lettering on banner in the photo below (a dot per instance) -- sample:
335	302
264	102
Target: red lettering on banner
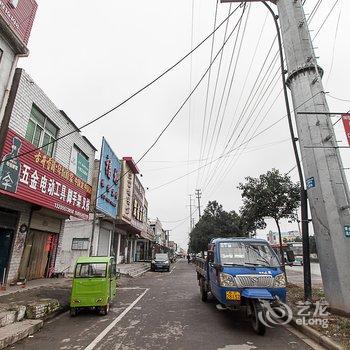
39	179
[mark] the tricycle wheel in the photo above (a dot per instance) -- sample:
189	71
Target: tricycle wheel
204	293
73	311
258	326
104	309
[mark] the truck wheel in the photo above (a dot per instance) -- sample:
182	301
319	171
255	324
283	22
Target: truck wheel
258	327
73	311
204	293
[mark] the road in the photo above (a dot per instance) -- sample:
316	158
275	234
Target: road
295	275
158	311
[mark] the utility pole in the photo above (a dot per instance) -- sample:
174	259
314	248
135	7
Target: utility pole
199	195
191	219
327	187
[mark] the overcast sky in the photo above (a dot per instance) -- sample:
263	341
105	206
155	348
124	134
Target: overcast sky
88	56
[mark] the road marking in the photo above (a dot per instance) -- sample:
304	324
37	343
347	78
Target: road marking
127	288
173	268
93	344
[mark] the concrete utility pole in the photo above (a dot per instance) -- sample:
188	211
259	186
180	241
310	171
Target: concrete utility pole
191	219
327	186
199	195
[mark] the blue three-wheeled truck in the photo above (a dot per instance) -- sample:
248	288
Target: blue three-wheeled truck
242	274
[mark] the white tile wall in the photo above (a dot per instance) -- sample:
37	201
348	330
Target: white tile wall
5	66
28	93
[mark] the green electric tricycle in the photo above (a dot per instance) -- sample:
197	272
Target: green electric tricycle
94	284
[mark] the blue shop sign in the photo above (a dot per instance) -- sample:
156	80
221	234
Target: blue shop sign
108	181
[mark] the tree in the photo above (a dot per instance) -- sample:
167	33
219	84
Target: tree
272	195
215	222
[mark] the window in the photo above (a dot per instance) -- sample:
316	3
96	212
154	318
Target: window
41	131
91	270
80	244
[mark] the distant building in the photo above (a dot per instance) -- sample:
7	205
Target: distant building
287	236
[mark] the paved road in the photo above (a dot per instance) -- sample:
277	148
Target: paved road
295	274
158	311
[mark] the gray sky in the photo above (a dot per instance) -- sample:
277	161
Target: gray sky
88	56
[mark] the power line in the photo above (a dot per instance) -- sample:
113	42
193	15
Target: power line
208	85
180	108
334	45
229	69
233	75
325	20
130	97
215	90
188	97
246	78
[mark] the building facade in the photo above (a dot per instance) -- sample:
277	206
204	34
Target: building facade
82	237
42	181
287	236
16	20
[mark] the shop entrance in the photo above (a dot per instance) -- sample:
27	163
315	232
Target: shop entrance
6	236
8	223
40	250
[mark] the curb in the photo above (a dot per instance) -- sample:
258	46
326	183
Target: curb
56	313
16	332
317	336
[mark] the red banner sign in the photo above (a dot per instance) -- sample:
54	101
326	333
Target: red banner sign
346	123
39	179
19	15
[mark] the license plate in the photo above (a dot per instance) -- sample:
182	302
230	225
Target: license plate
230	295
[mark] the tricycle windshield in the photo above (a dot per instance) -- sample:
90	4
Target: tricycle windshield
91	270
247	254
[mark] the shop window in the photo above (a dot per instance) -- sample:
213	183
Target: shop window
80	244
41	131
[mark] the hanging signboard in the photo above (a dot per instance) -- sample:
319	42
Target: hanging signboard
108	181
346	123
40	179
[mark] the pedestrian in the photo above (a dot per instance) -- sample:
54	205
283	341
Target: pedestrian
188	258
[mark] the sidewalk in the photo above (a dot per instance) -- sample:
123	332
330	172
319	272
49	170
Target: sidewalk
35	290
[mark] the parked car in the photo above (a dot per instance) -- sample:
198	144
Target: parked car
298	261
161	262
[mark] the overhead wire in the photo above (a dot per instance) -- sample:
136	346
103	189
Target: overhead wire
334	45
137	92
208	84
310	19
325	20
233	74
190	88
216	86
244	84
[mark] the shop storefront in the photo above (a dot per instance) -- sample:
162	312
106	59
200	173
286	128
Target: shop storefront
37	195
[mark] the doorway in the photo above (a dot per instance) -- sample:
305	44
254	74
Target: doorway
6	237
41	247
